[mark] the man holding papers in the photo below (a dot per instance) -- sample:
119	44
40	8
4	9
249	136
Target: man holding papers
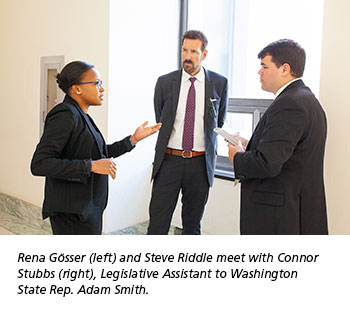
281	170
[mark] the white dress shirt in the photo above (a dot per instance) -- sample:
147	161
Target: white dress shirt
286	85
175	140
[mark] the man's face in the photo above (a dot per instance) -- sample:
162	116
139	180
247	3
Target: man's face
271	77
192	55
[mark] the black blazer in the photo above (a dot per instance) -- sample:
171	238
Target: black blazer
63	155
166	99
282	190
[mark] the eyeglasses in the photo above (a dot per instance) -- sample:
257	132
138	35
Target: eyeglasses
97	82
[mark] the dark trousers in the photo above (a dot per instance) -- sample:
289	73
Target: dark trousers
73	224
175	174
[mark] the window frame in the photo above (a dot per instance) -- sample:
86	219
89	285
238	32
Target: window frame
257	108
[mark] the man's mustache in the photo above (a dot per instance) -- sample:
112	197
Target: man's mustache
188	61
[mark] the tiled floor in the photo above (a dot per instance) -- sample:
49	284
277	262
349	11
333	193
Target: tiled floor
4	231
17	225
141	229
20	217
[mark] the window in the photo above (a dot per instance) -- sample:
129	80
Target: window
237	30
242	116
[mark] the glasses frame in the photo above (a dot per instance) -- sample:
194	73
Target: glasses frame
97	82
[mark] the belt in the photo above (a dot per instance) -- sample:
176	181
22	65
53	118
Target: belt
177	152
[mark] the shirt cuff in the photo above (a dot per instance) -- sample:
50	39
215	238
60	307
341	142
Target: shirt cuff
132	144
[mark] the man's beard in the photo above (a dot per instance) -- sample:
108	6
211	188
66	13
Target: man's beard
188	67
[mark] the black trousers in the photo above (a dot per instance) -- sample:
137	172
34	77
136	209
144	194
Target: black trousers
73	224
176	173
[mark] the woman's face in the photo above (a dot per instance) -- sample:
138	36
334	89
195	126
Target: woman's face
90	88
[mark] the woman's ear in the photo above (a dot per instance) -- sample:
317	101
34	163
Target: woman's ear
76	89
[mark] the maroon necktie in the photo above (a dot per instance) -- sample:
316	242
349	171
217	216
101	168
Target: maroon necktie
187	137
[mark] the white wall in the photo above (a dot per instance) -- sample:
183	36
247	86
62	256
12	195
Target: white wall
143	46
334	96
28	30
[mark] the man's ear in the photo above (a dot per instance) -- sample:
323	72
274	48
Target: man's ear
286	69
205	52
76	89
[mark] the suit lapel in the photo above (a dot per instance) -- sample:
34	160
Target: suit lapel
207	95
91	125
176	84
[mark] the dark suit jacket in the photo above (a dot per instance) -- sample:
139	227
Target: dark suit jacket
63	156
166	99
282	190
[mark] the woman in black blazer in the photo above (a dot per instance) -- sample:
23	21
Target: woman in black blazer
74	157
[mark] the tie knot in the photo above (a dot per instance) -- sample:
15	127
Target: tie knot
192	79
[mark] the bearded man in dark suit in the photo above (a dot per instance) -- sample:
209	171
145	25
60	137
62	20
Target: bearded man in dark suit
190	103
281	170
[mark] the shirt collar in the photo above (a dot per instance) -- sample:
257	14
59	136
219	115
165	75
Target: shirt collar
199	76
285	86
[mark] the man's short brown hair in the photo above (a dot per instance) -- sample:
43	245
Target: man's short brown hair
286	51
194	34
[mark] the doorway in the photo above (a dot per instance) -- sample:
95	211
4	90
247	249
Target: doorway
50	94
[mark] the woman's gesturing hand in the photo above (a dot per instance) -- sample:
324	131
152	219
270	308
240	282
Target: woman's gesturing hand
104	166
142	131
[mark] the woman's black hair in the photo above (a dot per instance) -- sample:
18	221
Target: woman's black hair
71	74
